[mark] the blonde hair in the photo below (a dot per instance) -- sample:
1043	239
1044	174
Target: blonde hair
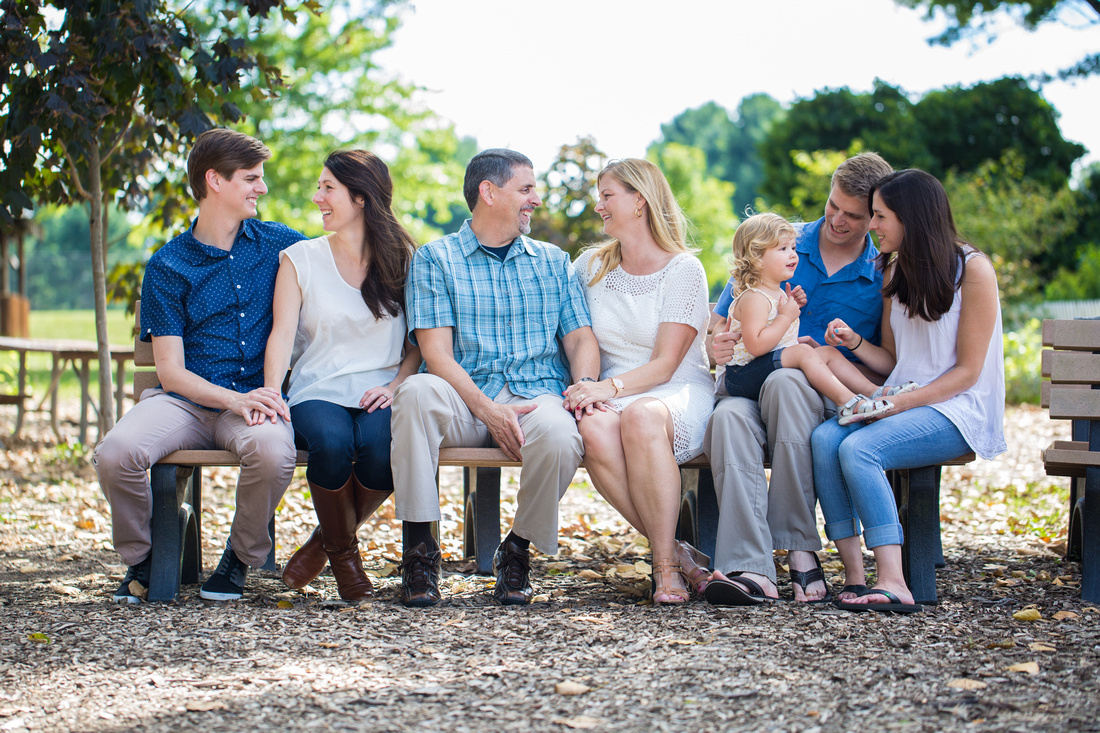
755	236
666	220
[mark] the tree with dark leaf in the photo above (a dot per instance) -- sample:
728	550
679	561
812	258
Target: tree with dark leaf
96	95
977	19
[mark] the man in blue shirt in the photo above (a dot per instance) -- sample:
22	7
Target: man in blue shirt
504	329
836	270
206	307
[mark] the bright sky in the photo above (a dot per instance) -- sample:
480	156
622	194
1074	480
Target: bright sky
533	76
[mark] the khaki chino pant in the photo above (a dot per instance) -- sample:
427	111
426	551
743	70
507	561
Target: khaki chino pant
428	414
160	424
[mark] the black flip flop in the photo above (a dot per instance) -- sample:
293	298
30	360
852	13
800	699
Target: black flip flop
803	578
743	592
893	606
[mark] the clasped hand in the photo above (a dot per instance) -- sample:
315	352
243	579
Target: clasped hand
584	398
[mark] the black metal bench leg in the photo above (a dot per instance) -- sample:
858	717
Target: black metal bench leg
1090	537
919	507
269	564
482	518
174	530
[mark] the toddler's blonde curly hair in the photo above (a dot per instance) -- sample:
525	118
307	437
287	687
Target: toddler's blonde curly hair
755	236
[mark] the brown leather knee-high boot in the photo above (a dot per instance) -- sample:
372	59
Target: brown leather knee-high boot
308	562
336	514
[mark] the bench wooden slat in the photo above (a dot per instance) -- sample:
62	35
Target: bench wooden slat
1071	402
1082	335
1069	458
1071	367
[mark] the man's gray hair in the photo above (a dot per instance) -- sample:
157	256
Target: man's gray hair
496	165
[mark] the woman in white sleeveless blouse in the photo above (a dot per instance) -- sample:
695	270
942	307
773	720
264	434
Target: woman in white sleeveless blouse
339	310
647	294
941	328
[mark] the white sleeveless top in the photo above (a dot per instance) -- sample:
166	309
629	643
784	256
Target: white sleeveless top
741	355
340	350
926	351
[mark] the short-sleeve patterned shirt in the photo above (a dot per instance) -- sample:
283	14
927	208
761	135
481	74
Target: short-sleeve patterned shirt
217	301
508	316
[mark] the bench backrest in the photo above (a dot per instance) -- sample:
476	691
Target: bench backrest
1072	364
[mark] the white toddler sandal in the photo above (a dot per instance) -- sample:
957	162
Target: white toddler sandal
895	390
867	408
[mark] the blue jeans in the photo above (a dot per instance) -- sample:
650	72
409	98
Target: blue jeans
341	439
850	464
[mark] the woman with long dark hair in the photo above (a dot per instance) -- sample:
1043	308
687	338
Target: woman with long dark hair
941	328
339	318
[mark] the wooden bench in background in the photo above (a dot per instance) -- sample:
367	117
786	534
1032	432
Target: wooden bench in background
1072	364
177	505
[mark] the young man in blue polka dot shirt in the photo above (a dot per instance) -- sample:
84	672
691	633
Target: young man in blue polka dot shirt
206	307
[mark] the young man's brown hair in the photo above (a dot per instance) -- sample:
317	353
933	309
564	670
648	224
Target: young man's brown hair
225	152
856	176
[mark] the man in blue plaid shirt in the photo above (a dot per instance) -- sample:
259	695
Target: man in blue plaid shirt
504	329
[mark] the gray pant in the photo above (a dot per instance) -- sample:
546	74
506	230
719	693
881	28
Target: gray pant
428	414
753	520
160	424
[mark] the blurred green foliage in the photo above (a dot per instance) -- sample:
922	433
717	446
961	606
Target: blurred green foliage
1023	350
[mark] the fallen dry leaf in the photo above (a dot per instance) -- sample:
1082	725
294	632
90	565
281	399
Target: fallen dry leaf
965	683
588	574
65	590
202	706
138	590
1027	614
1038	646
1028	667
571	688
580	722
1064	616
284	605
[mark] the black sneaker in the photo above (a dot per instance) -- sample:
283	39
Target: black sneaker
227	582
512	565
140	573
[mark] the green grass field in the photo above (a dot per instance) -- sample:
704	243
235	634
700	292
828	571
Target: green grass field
74	324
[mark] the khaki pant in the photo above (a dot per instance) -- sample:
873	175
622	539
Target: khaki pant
428	414
161	424
753	520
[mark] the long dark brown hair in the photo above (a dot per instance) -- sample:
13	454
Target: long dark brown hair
388	245
928	264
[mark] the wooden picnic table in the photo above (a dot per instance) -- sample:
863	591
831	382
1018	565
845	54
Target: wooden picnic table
77	353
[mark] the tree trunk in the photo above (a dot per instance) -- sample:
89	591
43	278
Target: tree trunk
99	285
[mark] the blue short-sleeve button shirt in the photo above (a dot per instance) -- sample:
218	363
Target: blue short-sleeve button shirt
853	293
217	301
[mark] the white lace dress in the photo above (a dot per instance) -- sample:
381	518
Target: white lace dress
626	311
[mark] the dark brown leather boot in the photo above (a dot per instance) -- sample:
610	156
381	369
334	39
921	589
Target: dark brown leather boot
308	562
336	513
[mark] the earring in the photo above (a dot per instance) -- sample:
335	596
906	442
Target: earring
637	212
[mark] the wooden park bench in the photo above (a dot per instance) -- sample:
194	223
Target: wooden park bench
177	495
1072	364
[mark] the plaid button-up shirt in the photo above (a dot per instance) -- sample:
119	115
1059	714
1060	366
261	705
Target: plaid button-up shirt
508	317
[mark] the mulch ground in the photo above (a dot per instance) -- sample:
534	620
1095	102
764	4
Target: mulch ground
590	653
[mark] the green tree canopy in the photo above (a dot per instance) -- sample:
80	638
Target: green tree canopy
95	94
953	129
971	19
730	143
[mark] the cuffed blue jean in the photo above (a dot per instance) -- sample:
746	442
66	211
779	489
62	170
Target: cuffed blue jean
340	439
850	463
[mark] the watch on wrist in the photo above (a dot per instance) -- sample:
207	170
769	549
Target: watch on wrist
618	385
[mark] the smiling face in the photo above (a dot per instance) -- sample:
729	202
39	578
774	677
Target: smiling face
887	226
778	263
846	220
616	205
243	189
517	200
333	198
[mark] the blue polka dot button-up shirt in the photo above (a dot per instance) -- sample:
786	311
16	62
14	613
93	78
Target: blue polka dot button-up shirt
218	302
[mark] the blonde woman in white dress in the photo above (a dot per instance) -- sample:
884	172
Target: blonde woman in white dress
647	294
